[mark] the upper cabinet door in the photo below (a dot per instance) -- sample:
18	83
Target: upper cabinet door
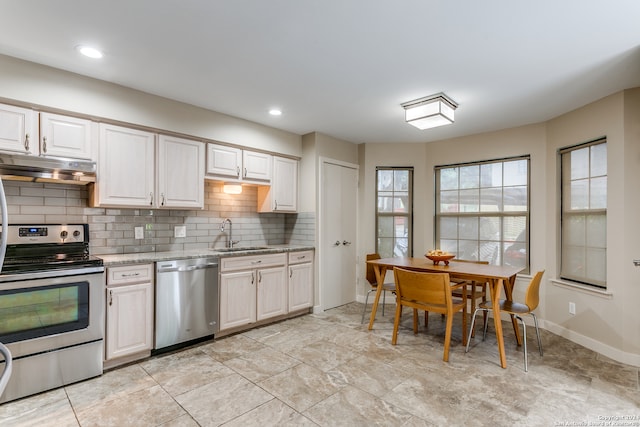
224	161
64	136
180	173
18	129
256	166
126	173
285	184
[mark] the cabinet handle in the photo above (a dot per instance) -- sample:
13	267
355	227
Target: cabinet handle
245	173
290	272
26	142
130	274
44	144
238	171
162	198
256	262
337	243
276	205
260	277
344	242
151	199
110	298
253	278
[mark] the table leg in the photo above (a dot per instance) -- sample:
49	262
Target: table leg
380	273
508	290
495	303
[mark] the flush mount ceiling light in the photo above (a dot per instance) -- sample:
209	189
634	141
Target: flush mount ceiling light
232	188
430	111
89	51
275	112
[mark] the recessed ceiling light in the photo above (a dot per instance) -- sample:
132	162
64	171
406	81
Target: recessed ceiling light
89	51
275	112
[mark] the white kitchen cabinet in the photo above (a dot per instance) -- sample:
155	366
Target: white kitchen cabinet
65	136
300	280
129	176
129	322
126	172
180	177
237	165
18	129
282	194
252	288
237	299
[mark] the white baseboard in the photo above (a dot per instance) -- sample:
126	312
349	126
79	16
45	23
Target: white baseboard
616	354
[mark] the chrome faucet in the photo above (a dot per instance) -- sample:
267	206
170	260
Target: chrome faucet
230	241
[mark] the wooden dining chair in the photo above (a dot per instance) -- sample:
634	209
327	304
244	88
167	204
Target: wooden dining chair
371	278
429	292
531	301
475	291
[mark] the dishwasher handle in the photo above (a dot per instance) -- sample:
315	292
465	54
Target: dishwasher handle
186	268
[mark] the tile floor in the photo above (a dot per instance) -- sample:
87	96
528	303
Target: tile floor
329	370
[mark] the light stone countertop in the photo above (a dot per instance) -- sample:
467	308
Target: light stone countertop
146	257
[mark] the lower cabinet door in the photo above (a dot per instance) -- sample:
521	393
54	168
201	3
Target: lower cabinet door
272	292
300	286
237	299
129	319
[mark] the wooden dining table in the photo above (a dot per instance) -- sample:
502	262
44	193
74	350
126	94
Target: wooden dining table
494	275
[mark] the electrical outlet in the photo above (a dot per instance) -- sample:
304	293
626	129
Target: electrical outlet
572	308
180	231
139	233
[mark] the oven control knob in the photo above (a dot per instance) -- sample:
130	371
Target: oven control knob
76	233
64	234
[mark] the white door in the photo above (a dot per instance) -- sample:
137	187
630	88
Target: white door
339	191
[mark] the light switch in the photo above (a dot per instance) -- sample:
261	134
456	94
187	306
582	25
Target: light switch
139	233
180	231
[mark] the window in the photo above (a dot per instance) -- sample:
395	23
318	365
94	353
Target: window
482	211
584	213
394	211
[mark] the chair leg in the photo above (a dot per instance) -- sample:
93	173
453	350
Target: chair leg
473	309
426	319
364	310
535	321
396	322
447	337
415	321
524	342
473	321
384	300
484	333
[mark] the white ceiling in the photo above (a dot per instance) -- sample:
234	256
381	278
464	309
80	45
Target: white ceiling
343	67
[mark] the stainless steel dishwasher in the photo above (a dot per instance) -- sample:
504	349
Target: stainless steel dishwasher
186	300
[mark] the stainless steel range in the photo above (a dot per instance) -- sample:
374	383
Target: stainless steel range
51	307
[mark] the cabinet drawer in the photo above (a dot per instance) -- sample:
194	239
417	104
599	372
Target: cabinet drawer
300	256
252	261
134	273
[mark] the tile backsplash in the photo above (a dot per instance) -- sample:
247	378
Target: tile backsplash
112	230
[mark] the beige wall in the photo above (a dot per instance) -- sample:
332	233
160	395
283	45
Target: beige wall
34	84
607	321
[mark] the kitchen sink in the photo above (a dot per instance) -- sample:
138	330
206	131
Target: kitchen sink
241	249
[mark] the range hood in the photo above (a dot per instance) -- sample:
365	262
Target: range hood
22	167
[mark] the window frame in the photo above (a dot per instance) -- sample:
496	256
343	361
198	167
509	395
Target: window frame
408	214
563	274
502	243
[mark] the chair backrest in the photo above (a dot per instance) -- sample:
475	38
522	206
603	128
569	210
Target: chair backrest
371	274
532	297
423	287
